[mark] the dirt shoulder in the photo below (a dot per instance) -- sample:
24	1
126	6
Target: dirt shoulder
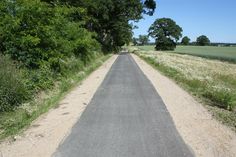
206	136
46	133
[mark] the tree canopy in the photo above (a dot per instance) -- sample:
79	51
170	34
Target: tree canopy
110	19
166	33
38	32
203	40
185	40
143	39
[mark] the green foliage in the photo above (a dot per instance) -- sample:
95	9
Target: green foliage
185	40
150	6
112	19
221	98
47	41
40	79
143	39
39	33
13	90
165	44
166	32
203	40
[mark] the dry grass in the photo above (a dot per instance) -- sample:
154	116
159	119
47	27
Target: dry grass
219	75
213	81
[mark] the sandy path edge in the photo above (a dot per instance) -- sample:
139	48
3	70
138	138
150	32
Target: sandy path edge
206	136
46	133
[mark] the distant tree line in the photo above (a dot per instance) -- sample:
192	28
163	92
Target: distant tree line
167	33
141	40
200	41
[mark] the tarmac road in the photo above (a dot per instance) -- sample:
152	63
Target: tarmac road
125	118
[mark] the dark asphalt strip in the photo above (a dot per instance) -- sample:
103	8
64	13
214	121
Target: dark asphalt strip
125	118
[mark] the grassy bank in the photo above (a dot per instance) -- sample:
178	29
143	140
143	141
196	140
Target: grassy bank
212	52
14	122
212	82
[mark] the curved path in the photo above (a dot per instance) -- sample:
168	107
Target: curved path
126	118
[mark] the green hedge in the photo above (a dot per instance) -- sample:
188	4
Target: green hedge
46	41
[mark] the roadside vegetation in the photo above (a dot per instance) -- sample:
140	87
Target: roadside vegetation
12	122
48	46
212	81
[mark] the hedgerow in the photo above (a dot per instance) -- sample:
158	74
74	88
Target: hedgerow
46	41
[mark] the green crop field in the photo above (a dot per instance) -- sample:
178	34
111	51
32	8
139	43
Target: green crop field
223	53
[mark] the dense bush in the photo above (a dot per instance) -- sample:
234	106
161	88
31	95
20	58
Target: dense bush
13	90
46	40
38	33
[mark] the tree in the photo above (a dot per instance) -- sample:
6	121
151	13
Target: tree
166	33
185	40
135	41
38	35
203	40
143	39
110	19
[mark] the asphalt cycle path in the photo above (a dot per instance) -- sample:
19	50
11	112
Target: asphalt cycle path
125	118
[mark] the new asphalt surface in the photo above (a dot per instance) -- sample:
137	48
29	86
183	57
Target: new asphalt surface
125	118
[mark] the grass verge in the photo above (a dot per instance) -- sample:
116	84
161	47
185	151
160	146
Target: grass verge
220	103
12	123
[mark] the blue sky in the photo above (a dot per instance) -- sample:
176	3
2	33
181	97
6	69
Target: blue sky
214	18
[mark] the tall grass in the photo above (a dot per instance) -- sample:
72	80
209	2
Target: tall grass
13	90
213	82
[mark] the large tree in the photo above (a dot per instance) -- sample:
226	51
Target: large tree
143	39
166	33
110	19
185	40
203	40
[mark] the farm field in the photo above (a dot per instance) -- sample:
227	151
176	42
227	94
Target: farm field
212	81
223	53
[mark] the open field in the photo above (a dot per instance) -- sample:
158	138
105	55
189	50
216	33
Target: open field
222	53
214	82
